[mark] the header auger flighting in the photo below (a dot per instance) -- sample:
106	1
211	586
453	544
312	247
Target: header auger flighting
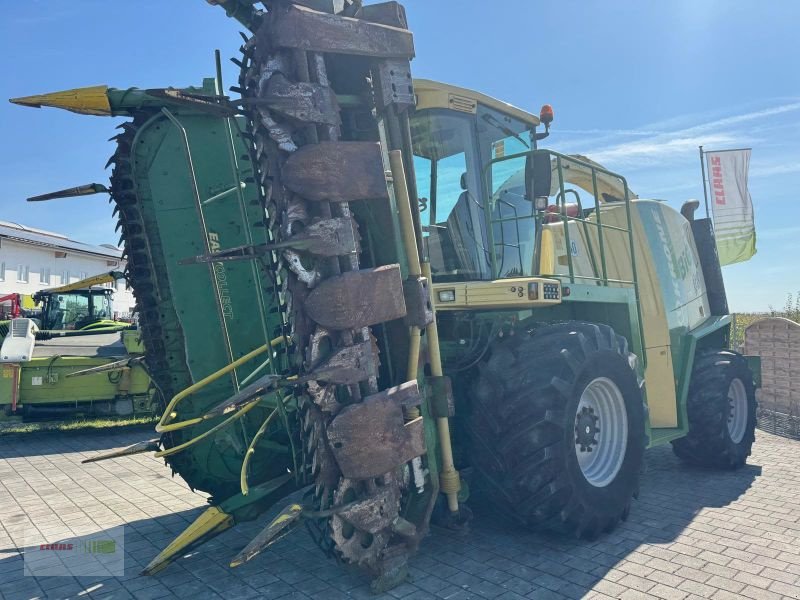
286	269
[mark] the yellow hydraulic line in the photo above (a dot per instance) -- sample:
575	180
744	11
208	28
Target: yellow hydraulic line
252	449
169	413
450	481
237	415
415	342
414	267
404	212
449	478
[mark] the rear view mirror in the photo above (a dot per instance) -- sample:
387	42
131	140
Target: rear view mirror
538	175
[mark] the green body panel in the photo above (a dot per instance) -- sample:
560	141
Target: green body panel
163	175
44	381
212	313
699	337
754	362
56	387
9	382
677	265
103	325
132	340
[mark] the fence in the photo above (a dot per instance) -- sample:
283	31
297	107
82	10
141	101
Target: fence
777	341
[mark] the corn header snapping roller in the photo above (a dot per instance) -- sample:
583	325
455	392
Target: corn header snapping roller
356	284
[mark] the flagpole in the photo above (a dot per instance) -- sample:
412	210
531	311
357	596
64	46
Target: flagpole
705	189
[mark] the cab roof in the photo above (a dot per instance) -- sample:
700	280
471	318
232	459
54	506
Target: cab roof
435	94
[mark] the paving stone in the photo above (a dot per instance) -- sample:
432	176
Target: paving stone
692	534
666	592
637	583
791	591
725	584
783	576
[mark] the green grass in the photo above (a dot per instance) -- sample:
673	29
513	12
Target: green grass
740	322
77	425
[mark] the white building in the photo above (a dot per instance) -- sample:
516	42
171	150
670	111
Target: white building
32	259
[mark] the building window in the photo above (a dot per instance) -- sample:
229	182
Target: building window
2	271
23	273
84	275
64	277
44	275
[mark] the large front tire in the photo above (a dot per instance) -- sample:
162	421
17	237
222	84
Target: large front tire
557	426
722	412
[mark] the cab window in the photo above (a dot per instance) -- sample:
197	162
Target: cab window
513	229
448	180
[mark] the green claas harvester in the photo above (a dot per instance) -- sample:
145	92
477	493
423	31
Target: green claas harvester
79	306
73	359
363	286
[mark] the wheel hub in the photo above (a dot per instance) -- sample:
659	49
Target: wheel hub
737	410
601	431
586	429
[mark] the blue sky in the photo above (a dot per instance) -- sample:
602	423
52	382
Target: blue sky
635	85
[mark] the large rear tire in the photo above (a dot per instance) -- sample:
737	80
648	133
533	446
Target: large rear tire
557	427
722	412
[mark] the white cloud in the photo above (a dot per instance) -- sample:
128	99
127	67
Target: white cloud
608	132
657	148
661	145
678	187
743	118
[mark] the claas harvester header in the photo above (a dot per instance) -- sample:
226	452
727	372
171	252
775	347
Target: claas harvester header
361	285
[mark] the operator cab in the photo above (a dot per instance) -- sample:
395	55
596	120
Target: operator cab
76	309
477	222
494	206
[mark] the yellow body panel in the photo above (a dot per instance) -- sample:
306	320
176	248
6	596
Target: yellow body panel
87	283
132	340
26	301
688	302
434	94
660	383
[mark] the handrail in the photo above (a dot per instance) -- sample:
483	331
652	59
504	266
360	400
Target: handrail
187	150
584	222
566	219
237	415
231	124
599	224
169	413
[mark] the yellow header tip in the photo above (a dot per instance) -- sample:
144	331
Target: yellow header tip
86	101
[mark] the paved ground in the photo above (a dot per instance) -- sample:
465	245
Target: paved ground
692	534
